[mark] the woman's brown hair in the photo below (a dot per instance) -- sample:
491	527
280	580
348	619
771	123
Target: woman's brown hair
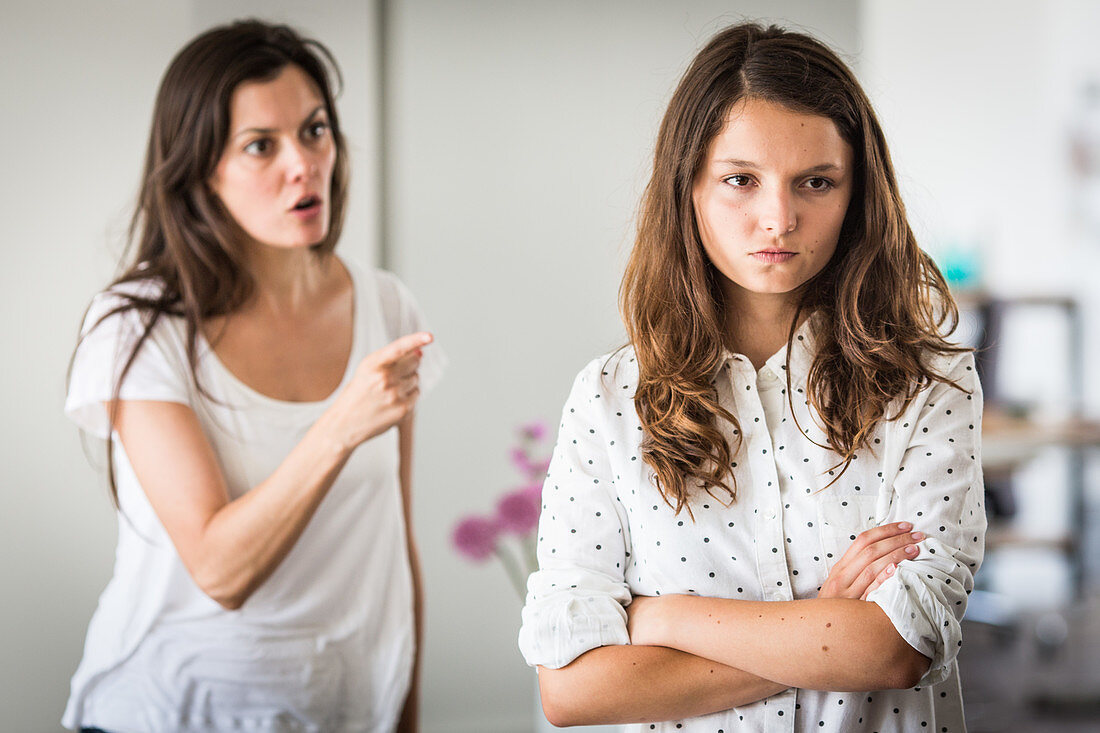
182	238
883	302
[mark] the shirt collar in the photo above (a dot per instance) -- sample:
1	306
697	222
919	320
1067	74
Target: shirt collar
803	350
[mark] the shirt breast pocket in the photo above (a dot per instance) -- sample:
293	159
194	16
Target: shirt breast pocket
841	519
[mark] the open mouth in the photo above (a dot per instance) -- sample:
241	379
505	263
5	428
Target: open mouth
307	202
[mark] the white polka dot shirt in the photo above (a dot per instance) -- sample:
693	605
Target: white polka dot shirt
606	534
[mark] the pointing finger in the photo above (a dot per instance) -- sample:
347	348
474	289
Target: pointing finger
394	351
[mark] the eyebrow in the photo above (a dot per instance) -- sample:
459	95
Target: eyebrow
269	130
822	168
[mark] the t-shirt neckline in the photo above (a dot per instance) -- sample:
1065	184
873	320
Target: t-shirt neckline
259	397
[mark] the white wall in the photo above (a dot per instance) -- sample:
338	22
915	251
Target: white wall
977	99
520	138
78	87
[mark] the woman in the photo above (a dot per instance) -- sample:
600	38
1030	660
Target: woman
257	396
765	512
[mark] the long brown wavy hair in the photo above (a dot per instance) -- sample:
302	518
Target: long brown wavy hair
181	236
883	301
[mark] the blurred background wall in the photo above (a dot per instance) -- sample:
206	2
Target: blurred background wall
498	153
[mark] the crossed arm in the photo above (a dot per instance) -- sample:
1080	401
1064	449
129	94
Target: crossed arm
691	655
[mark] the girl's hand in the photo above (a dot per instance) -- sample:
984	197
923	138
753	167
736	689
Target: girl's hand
871	560
382	391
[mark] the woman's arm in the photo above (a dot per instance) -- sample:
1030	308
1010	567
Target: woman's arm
838	644
231	547
837	641
642	684
650	681
410	715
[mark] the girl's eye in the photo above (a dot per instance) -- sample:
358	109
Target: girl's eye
317	129
819	184
258	147
738	181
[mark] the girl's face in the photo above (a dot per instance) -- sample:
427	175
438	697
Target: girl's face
770	199
275	173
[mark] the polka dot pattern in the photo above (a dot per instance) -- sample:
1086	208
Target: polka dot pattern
778	539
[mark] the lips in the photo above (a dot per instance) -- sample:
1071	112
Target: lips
773	256
306	202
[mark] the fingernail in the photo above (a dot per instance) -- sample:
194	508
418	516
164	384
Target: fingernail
905	526
911	550
918	536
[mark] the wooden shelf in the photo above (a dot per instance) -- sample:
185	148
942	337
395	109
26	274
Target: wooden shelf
1009	441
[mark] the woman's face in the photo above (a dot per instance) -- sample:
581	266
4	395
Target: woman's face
275	174
770	200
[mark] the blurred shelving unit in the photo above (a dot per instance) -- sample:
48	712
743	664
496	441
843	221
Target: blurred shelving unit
1011	437
1045	653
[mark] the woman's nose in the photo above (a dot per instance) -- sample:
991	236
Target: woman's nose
777	213
301	162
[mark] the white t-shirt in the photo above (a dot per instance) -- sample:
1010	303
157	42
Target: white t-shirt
327	642
606	534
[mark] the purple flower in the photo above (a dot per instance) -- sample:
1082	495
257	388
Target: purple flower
518	512
521	461
476	537
534	430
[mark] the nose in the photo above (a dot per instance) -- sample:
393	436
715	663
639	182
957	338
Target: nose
301	161
777	214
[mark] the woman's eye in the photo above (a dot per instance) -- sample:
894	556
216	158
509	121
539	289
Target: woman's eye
258	147
317	129
819	184
738	181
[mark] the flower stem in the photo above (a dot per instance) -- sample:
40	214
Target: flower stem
519	582
530	553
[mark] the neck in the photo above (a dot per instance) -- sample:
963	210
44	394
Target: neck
759	323
287	279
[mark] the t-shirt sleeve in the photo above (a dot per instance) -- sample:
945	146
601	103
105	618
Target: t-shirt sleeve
159	371
576	600
940	489
403	316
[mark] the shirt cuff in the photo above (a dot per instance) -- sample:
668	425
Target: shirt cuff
558	630
921	619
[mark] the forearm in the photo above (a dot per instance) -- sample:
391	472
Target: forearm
639	684
409	722
410	712
821	644
244	541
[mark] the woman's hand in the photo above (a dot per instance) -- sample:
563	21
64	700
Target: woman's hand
871	560
382	391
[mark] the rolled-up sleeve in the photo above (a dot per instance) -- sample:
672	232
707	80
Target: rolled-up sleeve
939	488
575	601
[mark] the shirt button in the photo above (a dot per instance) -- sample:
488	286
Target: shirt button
767	376
769	514
777	596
